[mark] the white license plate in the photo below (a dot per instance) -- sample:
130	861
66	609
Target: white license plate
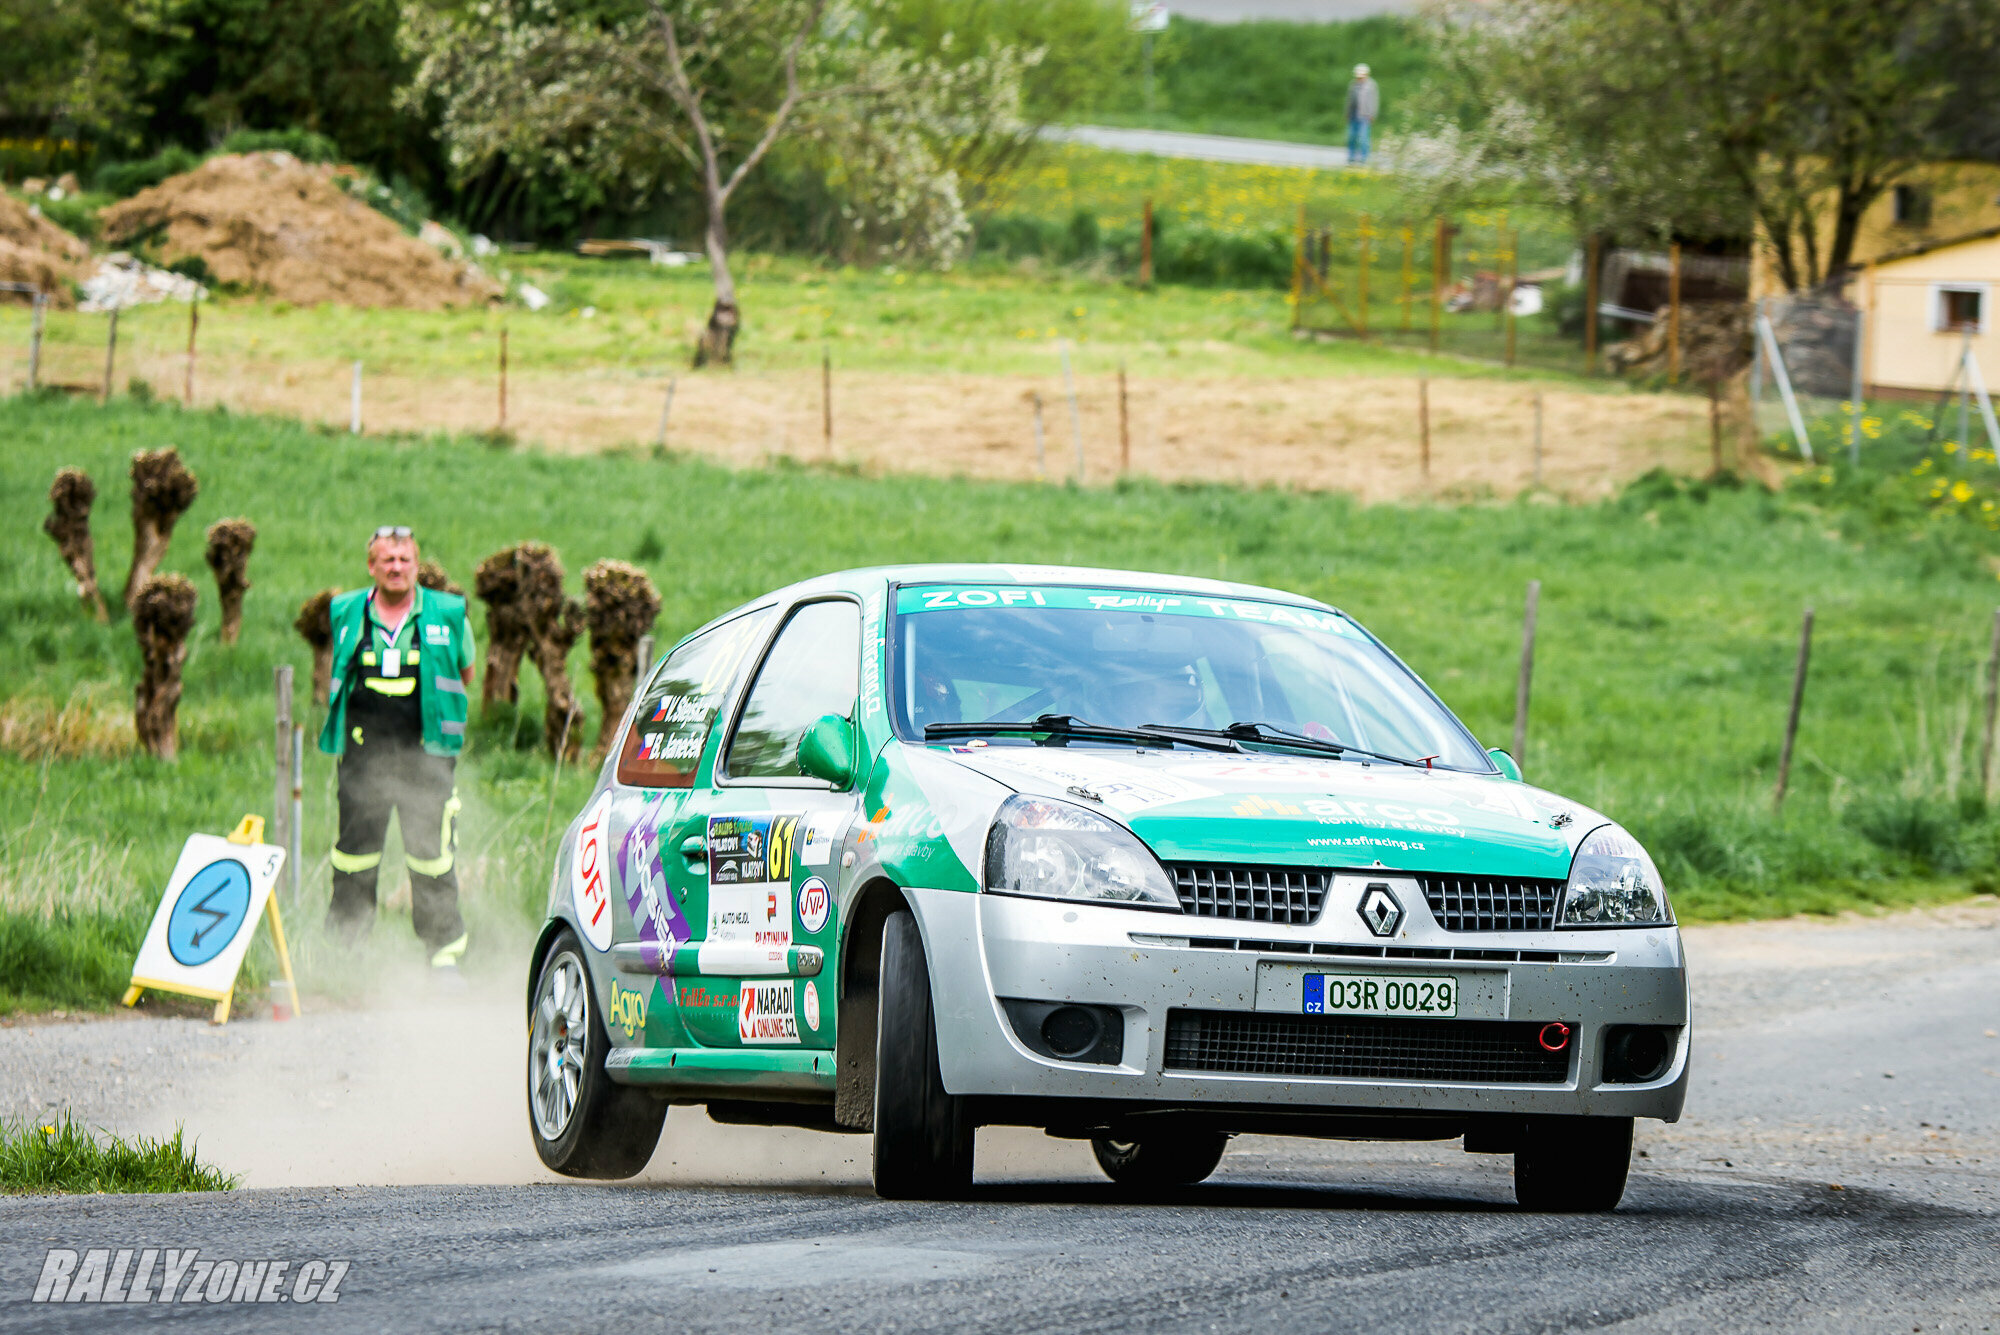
1430	996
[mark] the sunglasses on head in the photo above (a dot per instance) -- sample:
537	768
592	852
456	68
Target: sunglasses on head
389	531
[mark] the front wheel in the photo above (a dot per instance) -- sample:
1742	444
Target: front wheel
923	1137
584	1124
1573	1165
1177	1160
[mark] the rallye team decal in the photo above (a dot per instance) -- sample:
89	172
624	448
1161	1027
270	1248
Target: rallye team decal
765	1014
589	894
654	911
750	879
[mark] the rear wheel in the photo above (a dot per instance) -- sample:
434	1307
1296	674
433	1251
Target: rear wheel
923	1138
1573	1165
584	1124
1172	1160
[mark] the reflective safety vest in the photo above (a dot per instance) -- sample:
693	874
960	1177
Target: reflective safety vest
444	637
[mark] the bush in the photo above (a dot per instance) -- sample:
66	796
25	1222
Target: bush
123	179
305	145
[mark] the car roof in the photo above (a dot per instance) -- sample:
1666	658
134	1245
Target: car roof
868	578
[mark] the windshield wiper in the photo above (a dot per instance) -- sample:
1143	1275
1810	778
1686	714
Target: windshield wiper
1066	727
1272	735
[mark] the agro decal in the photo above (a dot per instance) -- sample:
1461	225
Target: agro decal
627	1011
750	879
654	911
811	1006
589	892
765	1014
815	902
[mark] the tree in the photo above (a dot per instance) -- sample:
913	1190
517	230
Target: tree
638	103
1706	117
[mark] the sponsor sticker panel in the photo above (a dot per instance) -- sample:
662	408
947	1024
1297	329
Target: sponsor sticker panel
765	1014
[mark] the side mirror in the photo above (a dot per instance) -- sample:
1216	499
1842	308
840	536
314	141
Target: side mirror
827	751
1507	764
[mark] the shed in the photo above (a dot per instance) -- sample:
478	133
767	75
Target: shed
1921	304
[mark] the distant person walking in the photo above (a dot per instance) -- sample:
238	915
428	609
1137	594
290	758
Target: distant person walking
1364	103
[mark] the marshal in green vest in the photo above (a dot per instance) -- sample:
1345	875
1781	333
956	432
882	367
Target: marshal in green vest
445	638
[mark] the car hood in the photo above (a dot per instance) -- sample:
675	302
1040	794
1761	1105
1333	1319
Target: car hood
1303	810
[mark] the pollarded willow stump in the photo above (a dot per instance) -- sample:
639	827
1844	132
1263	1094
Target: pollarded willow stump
619	605
562	716
229	544
162	491
162	616
70	499
315	627
497	583
432	576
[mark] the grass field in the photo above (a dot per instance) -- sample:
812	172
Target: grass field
1669	622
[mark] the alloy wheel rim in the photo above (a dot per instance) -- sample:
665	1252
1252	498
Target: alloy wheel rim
555	1048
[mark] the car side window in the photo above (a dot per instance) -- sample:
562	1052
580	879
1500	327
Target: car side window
663	747
812	669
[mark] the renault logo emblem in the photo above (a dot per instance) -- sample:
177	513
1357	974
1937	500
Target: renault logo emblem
1381	910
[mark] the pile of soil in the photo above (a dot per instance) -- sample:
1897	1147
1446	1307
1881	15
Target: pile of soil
35	250
269	222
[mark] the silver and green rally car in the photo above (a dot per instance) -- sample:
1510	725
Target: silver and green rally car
1140	859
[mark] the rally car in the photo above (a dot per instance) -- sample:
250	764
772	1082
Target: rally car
1139	859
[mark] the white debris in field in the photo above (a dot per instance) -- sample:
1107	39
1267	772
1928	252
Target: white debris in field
440	237
531	296
121	281
483	247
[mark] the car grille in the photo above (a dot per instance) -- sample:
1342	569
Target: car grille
1490	904
1436	1051
1289	895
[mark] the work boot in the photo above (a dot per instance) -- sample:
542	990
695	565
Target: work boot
445	976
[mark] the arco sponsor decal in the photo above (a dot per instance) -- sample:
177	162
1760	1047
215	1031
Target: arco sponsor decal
590	893
765	1013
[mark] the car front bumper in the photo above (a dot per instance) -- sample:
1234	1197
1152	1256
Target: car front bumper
982	948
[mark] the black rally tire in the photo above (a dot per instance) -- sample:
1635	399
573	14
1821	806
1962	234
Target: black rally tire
612	1129
1178	1159
923	1137
1573	1165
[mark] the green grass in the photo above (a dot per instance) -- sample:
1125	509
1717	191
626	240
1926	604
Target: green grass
65	1157
1668	629
1271	79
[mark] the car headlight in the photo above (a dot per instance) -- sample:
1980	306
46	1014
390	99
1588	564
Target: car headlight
1057	850
1613	883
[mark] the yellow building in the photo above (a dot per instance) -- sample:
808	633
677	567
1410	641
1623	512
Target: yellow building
1920	304
1938	201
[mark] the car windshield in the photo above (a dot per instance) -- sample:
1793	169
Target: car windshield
968	654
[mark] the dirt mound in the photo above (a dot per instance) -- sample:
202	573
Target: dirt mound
270	222
35	250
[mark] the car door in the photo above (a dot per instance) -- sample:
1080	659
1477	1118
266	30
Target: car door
664	753
763	838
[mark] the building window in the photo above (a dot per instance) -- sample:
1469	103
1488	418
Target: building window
1911	205
1961	309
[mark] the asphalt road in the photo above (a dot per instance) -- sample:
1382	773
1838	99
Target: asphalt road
1839	1169
1205	147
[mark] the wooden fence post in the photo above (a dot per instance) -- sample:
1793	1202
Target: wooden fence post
1523	683
1513	282
1792	718
1361	300
1538	439
1408	276
666	410
1041	449
503	377
1593	260
1992	708
295	850
281	757
1424	424
1674	313
354	402
110	356
35	340
1438	264
1146	245
1075	417
194	325
826	397
1124	427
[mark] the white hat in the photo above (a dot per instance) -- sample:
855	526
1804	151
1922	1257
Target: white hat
1360	71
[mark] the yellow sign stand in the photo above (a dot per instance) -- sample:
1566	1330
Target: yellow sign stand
203	926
